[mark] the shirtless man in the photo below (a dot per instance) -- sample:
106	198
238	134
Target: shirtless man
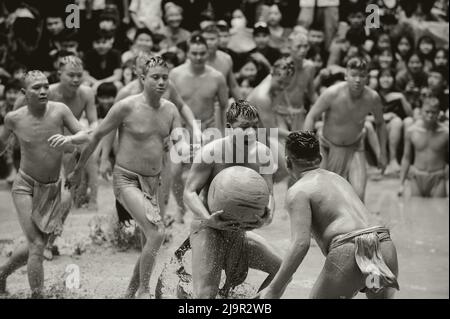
291	113
346	106
200	86
218	244
136	87
79	98
324	205
145	122
270	90
428	139
36	192
220	60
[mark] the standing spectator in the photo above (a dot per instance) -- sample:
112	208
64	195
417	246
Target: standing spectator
278	34
173	33
193	9
261	36
147	14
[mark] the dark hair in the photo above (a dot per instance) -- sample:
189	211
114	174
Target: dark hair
143	31
284	64
107	89
241	108
68	35
443	71
410	39
357	63
197	38
62	54
390	72
415	53
13	84
356	36
211	28
17	66
303	145
102	35
171	57
154	61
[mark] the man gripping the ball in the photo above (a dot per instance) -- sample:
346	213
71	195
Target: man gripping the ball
229	245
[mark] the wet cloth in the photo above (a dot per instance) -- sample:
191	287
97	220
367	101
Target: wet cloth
338	158
425	181
290	118
368	254
47	207
148	185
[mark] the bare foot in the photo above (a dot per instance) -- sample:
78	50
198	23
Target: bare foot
48	255
393	168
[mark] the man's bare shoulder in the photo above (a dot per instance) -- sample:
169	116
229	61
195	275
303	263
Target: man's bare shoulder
181	69
297	192
213	73
169	105
11	118
86	92
335	90
224	57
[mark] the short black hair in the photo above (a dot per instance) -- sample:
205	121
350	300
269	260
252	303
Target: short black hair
356	36
144	31
171	57
303	145
69	35
13	84
107	89
211	28
357	63
197	38
241	108
102	35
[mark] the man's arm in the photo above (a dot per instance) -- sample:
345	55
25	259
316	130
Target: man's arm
316	110
300	214
380	127
91	109
233	85
5	133
20	101
223	104
406	160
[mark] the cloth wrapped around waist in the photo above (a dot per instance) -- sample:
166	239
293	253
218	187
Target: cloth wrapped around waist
368	254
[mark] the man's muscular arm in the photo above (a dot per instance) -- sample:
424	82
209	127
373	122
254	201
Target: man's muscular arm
377	110
20	101
233	85
406	160
223	103
321	105
300	213
5	133
91	109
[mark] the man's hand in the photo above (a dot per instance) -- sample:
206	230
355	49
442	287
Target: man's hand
260	221
215	221
105	169
59	140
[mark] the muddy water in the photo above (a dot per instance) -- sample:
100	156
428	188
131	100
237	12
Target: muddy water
419	228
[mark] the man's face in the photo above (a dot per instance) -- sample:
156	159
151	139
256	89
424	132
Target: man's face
280	79
71	76
224	39
11	96
245	129
36	91
102	46
386	81
156	80
356	19
435	81
261	40
54	25
299	48
212	40
198	54
174	18
356	80
315	37
430	113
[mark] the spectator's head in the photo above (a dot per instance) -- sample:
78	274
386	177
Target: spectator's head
315	55
386	80
246	86
274	16
71	72
298	45
405	46
426	46
302	151
211	35
373	81
128	71
181	51
238	20
197	50
54	24
171	59
441	58
102	42
108	22
173	15
35	88
156	75
356	75
69	40
430	110
12	90
261	35
356	18
355	36
243	118
316	36
383	42
106	93
224	34
18	70
415	63
58	57
386	59
437	79
249	69
283	71
143	40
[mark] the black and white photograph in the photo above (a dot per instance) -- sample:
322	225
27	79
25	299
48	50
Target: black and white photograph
224	149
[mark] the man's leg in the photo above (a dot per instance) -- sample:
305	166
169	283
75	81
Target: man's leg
207	262
133	286
134	201
166	183
415	189
439	188
357	175
372	137
178	183
340	276
262	257
92	177
18	259
331	23
395	131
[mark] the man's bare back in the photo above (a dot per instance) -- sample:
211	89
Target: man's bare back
301	85
262	99
335	207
